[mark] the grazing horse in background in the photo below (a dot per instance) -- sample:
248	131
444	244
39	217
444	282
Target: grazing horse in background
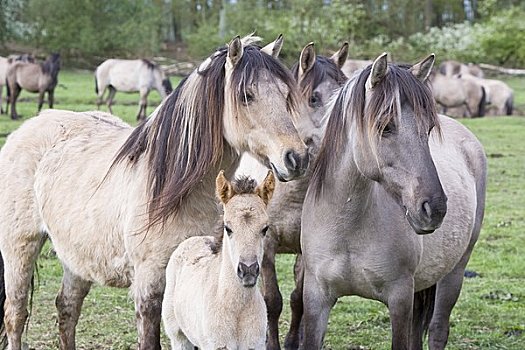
374	222
318	77
500	97
450	68
116	201
130	76
4	63
458	97
211	299
33	77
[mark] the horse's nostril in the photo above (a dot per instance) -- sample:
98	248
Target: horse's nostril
427	209
291	160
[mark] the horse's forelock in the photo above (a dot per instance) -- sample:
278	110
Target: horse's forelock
248	70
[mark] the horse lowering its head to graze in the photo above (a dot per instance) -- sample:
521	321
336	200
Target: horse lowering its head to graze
33	77
458	97
450	68
500	97
394	206
130	76
116	201
211	299
318	77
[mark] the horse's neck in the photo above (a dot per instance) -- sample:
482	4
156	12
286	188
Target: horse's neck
230	289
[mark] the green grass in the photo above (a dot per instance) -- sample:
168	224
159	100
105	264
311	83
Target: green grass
490	313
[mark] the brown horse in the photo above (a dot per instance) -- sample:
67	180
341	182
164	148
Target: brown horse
33	77
4	64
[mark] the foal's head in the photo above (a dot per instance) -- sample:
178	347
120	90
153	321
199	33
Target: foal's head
245	223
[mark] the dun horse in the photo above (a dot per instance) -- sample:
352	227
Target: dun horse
318	78
453	95
450	68
116	201
33	77
4	63
500	97
130	76
388	171
211	299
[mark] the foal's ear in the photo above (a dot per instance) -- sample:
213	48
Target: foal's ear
341	55
265	190
379	71
274	48
422	70
235	51
223	188
306	60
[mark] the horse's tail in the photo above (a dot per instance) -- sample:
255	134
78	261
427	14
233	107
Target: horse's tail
423	309
3	336
96	83
509	105
482	102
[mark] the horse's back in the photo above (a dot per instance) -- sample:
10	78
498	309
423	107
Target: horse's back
123	75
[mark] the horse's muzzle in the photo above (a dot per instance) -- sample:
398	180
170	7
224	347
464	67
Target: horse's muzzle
429	216
248	274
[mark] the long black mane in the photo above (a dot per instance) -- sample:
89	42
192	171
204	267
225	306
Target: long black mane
184	141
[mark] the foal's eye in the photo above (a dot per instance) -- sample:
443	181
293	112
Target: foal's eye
315	100
247	97
264	230
228	230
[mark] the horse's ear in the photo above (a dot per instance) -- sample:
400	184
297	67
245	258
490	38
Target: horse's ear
274	48
265	190
235	51
341	55
306	60
223	188
422	70
378	72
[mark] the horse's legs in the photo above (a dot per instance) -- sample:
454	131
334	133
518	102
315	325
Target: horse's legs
421	316
143	104
148	290
317	306
296	304
15	91
111	95
272	295
69	303
51	98
41	99
400	303
1	105
19	252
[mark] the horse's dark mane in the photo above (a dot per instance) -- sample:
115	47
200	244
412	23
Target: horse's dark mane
370	121
51	67
241	185
150	64
184	141
322	68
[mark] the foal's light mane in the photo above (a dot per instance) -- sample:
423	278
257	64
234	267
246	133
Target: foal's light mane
184	141
371	114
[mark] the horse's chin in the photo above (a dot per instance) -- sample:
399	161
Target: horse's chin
249	281
279	176
418	228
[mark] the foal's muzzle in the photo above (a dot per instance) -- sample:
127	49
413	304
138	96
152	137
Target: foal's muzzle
248	274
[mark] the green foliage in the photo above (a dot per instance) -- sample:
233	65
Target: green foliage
93	27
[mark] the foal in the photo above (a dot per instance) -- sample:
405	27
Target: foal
211	300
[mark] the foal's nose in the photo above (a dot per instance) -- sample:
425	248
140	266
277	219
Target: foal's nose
295	162
248	274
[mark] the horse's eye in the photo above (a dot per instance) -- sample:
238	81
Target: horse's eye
315	100
388	130
247	98
264	230
228	230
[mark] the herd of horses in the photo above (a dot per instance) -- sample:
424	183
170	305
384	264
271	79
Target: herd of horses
378	195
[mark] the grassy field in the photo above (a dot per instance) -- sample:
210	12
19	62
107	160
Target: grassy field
489	315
